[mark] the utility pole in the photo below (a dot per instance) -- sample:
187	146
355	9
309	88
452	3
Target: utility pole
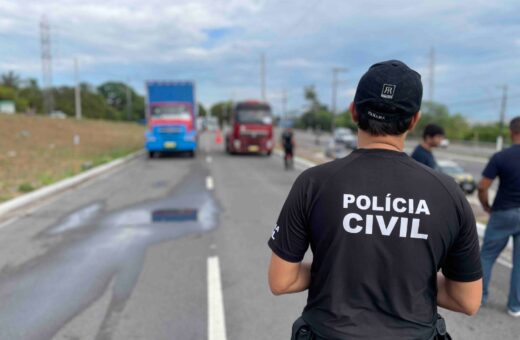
77	90
262	77
335	82
284	103
128	101
432	75
46	56
503	105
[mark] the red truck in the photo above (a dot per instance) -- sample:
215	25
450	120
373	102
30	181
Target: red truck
251	128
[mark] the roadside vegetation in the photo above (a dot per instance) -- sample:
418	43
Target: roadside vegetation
36	151
317	116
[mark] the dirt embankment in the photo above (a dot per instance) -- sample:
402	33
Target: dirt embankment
37	151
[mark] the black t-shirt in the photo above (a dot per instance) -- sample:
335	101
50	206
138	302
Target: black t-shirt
421	155
506	165
380	226
287	142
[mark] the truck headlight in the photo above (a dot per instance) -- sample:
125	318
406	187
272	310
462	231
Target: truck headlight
236	143
269	144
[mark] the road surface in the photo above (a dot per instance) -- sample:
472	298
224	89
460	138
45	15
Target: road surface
170	248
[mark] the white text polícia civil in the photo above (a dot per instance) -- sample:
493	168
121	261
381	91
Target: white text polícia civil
354	223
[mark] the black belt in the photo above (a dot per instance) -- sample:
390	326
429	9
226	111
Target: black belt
302	331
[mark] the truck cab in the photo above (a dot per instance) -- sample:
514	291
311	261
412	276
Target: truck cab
251	128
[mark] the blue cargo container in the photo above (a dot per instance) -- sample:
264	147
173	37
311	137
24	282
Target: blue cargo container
171	111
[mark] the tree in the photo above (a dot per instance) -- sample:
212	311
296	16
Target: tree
222	111
344	119
11	79
316	116
33	94
116	95
455	126
202	110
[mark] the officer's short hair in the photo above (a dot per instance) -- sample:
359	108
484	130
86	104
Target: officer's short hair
432	130
514	125
379	128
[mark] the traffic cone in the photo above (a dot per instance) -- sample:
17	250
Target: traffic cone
218	137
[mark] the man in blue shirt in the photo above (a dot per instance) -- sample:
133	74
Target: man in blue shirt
504	220
432	138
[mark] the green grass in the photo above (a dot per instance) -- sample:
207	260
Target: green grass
112	155
25	187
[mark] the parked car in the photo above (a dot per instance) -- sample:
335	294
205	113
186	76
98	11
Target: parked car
335	149
346	137
464	179
58	115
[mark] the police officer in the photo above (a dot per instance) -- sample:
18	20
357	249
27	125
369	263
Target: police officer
432	137
288	147
391	240
504	220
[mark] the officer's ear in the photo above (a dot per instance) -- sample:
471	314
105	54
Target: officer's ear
353	112
415	120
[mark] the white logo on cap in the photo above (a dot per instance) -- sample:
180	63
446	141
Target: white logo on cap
388	91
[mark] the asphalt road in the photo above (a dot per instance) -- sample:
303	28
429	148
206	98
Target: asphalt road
167	249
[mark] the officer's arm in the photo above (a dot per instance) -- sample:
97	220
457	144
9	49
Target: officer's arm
462	297
288	277
483	187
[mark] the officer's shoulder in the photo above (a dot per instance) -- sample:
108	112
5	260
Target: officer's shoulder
446	181
322	172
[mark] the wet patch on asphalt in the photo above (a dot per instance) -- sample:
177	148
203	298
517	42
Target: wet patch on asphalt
97	248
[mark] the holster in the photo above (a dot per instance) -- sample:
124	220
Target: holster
301	330
440	330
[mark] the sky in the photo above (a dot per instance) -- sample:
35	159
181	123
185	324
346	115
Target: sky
219	43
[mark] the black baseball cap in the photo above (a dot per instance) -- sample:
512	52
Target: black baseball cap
389	91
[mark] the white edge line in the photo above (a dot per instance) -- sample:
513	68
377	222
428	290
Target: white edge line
67	183
209	183
216	316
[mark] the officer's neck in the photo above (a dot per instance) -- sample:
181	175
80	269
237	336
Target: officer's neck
367	141
516	138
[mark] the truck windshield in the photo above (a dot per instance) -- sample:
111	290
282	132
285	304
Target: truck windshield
252	116
171	112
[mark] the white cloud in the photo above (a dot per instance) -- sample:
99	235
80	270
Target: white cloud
218	42
295	63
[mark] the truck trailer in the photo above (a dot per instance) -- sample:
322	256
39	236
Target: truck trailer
171	112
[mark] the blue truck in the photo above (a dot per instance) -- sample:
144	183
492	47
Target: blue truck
171	111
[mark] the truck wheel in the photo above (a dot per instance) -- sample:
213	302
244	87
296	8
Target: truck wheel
268	153
192	153
151	154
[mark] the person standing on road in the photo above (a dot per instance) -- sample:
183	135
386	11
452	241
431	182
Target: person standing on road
432	138
504	220
288	147
380	227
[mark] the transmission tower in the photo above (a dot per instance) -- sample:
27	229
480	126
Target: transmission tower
48	98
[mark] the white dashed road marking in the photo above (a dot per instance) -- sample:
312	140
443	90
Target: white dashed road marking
216	318
209	183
